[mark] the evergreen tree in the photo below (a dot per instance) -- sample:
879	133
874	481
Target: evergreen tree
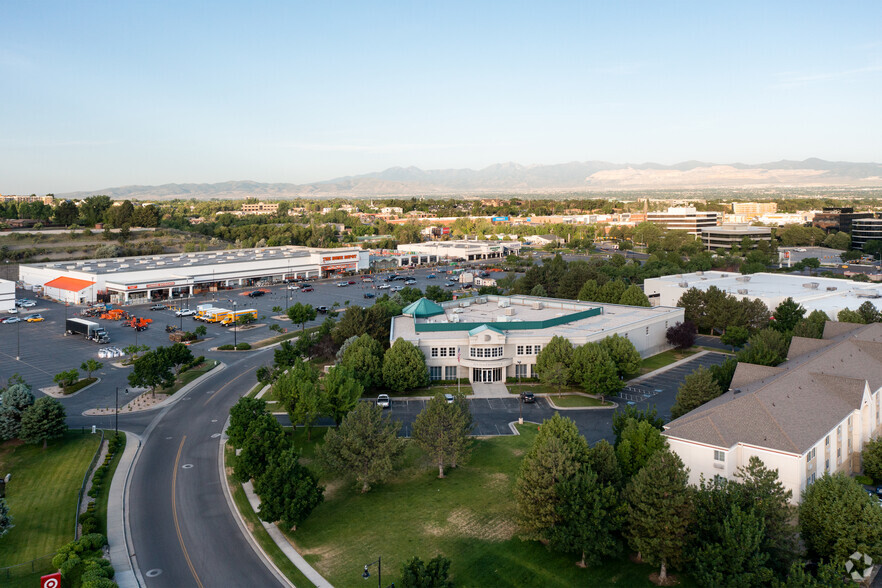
5	518
10	423
42	421
18	396
288	491
591	518
871	457
242	414
812	326
589	291
660	511
538	290
697	388
537	492
868	312
634	296
766	347
595	370
404	366
442	431
365	358
736	558
263	439
602	460
724	373
847	315
365	445
639	442
787	315
416	574
622	415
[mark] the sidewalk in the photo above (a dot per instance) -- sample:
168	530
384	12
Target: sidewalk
671	366
117	525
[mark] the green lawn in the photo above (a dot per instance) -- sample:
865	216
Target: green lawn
260	535
42	494
664	358
468	517
79	385
539	389
291	334
190	375
575	400
101	501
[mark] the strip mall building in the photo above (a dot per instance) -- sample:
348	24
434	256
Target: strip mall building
157	277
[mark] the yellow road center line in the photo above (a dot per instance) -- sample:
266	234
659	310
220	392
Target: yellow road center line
210	398
175	513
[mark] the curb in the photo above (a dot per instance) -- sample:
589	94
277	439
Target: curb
118	532
671	366
551	403
240	520
95	383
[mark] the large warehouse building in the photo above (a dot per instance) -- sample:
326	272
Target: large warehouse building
461	250
158	277
497	338
827	294
7	295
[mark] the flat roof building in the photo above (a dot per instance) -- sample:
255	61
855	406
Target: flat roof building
754	209
838	218
725	236
491	339
865	229
461	250
7	295
826	294
175	275
685	219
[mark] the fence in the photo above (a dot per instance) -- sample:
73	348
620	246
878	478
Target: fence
83	486
41	565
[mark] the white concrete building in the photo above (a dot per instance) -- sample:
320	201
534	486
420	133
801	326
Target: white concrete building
7	295
827	294
725	236
809	416
459	250
140	279
685	219
497	338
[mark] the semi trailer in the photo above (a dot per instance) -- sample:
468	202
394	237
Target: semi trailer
88	329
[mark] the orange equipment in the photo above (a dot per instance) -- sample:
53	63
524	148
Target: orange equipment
117	314
137	322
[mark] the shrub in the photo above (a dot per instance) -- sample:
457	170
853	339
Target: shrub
865	480
227	347
243	346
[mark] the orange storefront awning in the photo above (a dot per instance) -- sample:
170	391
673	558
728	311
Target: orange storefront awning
69	284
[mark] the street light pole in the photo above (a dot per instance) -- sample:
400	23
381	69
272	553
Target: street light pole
367	574
235	325
18	339
520	397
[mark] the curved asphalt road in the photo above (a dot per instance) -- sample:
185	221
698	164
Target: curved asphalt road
182	531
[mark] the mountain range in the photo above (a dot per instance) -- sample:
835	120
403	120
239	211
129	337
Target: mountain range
513	178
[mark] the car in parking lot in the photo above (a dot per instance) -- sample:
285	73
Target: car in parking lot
157	307
448	398
293	287
351	282
367	279
12	311
451	284
409	282
342	284
28	304
369	295
12	320
396	288
34	318
322	309
383	401
256	293
185	312
307	289
528	397
383	287
430	277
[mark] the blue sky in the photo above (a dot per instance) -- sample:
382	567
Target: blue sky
101	94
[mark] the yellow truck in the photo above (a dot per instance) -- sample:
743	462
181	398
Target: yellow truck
216	315
233	317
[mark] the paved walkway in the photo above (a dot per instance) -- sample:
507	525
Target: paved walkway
668	367
496	390
116	516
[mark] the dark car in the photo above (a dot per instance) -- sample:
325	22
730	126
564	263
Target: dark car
157	307
307	289
351	282
256	293
528	397
369	295
322	309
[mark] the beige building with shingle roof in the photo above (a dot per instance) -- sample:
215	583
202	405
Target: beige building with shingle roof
806	417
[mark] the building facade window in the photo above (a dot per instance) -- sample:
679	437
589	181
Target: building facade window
443	352
450	372
827	465
827	441
521	371
435	372
451	351
434	352
537	349
719	455
647	330
810	455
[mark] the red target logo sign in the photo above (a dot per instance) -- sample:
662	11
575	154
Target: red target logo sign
51	581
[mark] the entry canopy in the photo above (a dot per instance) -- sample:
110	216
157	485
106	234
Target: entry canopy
422	308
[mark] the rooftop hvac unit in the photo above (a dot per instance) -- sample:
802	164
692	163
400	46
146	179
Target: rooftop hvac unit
454	318
811	285
683	284
502	319
156	257
537	305
160	263
742	279
508	311
699	273
466	303
831	288
504	303
742	290
458	310
123	265
480	300
102	265
71	267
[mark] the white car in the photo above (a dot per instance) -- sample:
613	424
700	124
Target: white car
185	312
293	287
367	279
28	304
396	289
384	401
383	287
12	311
342	284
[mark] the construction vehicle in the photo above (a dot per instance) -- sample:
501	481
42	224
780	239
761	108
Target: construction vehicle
215	315
137	323
235	317
117	314
171	329
88	329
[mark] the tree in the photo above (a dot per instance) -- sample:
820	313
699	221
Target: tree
342	392
537	492
242	414
410	294
404	366
151	370
697	388
868	312
591	518
840	240
42	421
300	314
766	347
18	396
91	365
365	445
263	438
200	331
66	213
288	491
442	431
538	290
312	402
66	378
589	291
811	326
602	460
682	335
787	315
622	416
624	355
438	294
724	373
736	558
871	457
557	350
846	315
364	357
5	518
639	442
873	248
735	336
837	517
416	574
10	423
660	511
634	296
594	370
612	291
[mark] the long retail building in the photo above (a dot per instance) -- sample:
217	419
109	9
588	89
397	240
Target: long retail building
156	277
491	339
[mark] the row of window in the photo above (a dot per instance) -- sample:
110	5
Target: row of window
443	351
529	349
485	351
449	372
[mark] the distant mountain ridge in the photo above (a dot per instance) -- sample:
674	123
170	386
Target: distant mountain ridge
514	178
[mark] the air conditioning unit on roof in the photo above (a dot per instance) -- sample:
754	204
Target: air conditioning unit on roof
811	285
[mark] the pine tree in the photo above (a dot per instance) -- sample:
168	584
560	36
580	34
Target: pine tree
697	388
549	462
634	296
365	358
442	431
5	518
595	370
639	442
589	291
602	460
591	517
787	315
660	511
736	557
42	421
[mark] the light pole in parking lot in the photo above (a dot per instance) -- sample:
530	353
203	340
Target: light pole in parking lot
116	414
235	324
520	397
18	339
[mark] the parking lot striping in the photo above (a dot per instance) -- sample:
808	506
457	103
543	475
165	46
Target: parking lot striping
175	513
23	362
210	398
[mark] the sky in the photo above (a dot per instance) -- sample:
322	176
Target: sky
103	94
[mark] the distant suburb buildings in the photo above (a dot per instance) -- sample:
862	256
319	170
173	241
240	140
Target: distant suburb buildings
685	219
809	416
490	339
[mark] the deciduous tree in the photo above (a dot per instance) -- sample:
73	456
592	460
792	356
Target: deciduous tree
622	415
404	366
91	365
594	370
871	457
263	438
365	358
416	574
697	388
682	335
442	431
242	414
342	392
634	296
288	490
5	518
735	336
766	347
300	314
787	315
623	353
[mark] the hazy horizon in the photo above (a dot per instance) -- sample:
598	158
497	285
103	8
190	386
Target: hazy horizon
124	94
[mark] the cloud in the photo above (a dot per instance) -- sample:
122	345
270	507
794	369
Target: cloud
53	143
791	79
388	148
